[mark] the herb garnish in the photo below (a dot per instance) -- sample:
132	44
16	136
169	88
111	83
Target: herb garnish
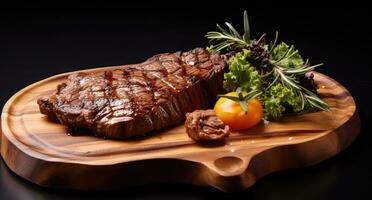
274	73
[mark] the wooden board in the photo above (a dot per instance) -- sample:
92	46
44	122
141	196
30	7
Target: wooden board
41	151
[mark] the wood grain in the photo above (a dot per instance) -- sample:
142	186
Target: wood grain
41	151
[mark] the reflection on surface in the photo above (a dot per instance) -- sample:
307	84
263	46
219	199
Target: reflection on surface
15	188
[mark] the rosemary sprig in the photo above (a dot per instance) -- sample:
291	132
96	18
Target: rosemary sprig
273	44
231	39
287	77
247	29
307	96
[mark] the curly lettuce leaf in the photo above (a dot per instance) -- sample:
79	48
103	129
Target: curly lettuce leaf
278	99
294	61
242	74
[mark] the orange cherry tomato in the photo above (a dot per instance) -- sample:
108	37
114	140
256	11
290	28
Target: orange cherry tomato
232	114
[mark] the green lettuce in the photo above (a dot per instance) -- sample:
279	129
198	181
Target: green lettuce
242	73
277	99
294	61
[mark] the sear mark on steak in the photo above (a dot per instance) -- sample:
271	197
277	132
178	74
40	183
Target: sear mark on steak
136	99
204	125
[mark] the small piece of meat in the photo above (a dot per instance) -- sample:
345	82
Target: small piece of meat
204	125
136	99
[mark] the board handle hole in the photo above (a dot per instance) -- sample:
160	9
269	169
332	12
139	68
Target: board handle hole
229	164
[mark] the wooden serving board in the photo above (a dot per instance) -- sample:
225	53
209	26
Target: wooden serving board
40	150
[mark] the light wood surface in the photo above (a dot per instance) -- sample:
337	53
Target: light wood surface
41	151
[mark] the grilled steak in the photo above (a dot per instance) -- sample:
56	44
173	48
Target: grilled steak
136	99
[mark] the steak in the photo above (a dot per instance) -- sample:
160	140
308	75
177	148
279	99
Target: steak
134	100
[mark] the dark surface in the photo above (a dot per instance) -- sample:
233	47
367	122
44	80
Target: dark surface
38	43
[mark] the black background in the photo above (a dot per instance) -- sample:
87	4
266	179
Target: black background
37	42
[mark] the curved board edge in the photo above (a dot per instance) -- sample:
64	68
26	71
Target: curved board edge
197	173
